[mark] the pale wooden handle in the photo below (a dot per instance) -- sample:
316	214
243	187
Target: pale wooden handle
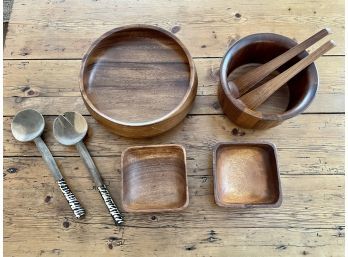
256	97
246	81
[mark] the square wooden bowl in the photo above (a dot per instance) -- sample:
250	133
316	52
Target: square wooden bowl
246	175
154	178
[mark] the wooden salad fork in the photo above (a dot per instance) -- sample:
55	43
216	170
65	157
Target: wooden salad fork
257	96
242	84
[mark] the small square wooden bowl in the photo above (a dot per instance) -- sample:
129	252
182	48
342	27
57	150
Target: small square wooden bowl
246	175
154	178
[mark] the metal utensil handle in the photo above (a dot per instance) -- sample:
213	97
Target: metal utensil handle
87	159
72	200
52	165
115	213
48	158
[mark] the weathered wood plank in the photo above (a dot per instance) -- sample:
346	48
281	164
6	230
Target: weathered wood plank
59	105
42	77
37	220
104	240
37	84
306	144
304	205
59	29
193	242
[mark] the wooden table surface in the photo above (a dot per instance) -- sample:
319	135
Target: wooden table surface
44	45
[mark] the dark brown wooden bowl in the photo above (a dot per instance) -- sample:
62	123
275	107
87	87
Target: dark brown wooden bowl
246	175
154	178
289	101
138	80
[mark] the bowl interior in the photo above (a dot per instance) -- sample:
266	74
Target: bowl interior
277	103
136	75
154	178
258	49
246	174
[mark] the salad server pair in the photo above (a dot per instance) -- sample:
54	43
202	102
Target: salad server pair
69	129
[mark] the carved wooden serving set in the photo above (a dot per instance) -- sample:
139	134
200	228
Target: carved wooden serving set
140	81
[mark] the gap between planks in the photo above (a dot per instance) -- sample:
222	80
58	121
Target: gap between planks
201	114
79	59
8	157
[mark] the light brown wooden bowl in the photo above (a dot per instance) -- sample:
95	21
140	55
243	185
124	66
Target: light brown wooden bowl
138	80
246	175
154	178
289	101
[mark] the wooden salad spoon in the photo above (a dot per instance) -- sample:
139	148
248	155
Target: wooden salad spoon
256	97
242	84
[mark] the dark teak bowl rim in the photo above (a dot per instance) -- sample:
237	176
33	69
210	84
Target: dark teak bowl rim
251	205
180	208
254	38
191	87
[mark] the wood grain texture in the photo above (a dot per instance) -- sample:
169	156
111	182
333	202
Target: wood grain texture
306	131
249	79
36	84
209	241
305	144
246	175
205	28
46	224
138	80
154	178
259	49
309	201
37	221
258	96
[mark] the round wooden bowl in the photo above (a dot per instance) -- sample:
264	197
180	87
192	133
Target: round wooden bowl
289	101
138	80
